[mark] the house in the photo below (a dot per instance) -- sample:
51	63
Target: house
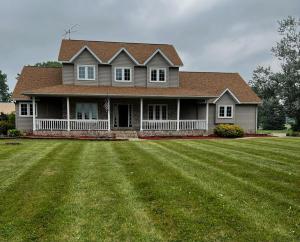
7	108
104	88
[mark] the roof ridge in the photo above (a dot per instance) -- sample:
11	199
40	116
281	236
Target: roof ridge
43	67
120	42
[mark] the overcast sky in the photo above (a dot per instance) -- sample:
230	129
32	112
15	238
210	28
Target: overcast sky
210	35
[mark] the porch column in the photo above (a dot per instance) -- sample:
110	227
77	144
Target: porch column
68	113
178	113
33	114
141	114
108	113
207	113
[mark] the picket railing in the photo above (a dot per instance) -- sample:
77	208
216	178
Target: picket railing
159	124
51	124
75	124
192	124
78	124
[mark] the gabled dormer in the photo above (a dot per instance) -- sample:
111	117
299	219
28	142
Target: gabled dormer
119	64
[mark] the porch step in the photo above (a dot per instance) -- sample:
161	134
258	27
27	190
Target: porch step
126	134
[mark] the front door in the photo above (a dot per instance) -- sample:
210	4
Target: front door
123	115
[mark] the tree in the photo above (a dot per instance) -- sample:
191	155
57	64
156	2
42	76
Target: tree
271	114
4	90
280	91
48	64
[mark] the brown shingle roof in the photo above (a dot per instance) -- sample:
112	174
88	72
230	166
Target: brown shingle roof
34	78
47	81
106	50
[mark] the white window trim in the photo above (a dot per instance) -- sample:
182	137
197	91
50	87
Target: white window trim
160	111
86	73
225	111
28	109
76	113
123	73
157	74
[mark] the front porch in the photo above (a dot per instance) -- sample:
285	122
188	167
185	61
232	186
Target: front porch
120	114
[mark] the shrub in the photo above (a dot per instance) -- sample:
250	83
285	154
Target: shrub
291	132
5	126
14	133
229	131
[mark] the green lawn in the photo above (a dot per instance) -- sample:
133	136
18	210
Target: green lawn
263	131
207	190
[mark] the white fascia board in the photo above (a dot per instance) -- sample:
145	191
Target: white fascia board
227	90
126	51
80	51
163	55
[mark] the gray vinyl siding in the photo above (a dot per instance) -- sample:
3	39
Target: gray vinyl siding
226	99
122	60
68	74
140	76
158	61
173	77
245	117
86	58
105	75
23	123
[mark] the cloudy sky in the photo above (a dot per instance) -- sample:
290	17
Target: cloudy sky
210	35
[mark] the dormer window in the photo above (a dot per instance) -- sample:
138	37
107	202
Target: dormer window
157	74
86	72
123	74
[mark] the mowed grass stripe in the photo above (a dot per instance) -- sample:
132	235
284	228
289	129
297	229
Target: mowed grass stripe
250	175
102	198
250	166
290	158
44	185
280	145
251	157
20	160
234	191
178	203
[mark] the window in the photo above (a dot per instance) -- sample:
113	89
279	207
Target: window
157	112
157	74
225	111
123	74
86	111
86	72
26	110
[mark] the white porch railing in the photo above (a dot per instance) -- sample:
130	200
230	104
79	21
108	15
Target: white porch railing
51	124
172	124
78	124
192	124
159	124
75	124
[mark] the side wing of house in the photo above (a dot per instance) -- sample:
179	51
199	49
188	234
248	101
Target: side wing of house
228	110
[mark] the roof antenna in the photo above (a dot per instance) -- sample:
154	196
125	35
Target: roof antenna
69	31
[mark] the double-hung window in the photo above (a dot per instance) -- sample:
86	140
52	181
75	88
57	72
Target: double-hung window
86	72
123	74
157	74
225	111
26	109
157	112
86	111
